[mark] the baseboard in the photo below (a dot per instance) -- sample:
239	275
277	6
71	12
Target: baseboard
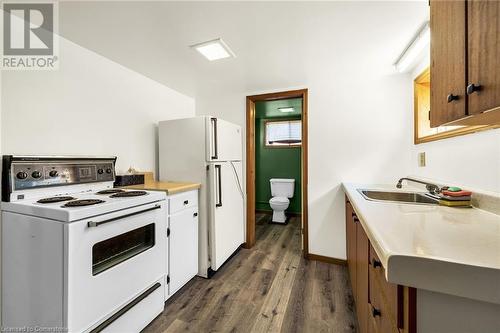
293	214
329	260
270	212
280	223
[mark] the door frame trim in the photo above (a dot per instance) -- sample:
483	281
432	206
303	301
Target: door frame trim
250	162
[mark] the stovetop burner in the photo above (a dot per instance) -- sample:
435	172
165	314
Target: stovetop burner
55	199
84	202
110	191
128	194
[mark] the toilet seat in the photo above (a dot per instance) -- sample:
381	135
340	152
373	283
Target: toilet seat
279	200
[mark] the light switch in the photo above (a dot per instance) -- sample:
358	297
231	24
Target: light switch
421	159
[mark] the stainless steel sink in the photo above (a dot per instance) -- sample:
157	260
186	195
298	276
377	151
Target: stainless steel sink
406	197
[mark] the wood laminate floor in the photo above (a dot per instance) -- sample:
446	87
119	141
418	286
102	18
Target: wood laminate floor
269	288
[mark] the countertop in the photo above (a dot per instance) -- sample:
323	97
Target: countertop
169	187
449	250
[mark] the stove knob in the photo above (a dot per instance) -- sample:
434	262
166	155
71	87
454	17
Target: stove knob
22	175
109	170
53	173
36	174
100	171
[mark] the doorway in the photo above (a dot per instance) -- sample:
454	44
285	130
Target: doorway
251	132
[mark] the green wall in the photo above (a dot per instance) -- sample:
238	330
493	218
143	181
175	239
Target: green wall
275	162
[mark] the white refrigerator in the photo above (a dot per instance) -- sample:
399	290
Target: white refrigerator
208	150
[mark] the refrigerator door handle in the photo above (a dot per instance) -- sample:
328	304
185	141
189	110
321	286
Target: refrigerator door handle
219	186
214	133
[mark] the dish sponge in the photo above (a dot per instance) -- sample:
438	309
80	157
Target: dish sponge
464	203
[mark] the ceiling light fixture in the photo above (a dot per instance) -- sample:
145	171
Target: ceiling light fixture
421	40
214	49
286	109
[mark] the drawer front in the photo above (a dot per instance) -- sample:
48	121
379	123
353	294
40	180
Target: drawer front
383	295
140	314
380	319
178	202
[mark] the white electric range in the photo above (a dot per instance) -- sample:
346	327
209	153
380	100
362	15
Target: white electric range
78	255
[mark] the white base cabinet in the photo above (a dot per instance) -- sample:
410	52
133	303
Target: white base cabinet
182	253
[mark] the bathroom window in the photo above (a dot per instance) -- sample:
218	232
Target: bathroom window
284	133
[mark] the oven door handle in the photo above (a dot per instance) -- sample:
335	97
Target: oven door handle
91	224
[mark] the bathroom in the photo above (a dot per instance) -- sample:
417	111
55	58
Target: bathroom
278	154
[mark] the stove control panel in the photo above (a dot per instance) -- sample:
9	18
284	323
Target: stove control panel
34	174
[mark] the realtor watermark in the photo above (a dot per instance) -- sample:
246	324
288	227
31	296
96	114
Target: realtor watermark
29	37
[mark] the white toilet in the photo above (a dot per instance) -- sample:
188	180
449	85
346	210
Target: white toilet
281	190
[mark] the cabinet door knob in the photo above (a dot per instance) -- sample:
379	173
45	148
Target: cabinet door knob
186	202
355	219
450	98
376	263
376	312
472	88
195	214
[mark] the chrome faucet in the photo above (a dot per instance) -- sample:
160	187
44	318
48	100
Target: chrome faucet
432	188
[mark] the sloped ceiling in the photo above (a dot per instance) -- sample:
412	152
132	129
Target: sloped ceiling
277	44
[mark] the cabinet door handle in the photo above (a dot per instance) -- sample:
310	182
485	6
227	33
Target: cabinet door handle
186	202
450	98
355	219
195	214
376	263
376	312
472	88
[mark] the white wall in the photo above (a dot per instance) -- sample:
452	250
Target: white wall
342	51
360	127
90	106
359	131
471	160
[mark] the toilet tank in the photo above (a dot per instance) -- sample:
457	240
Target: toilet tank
281	187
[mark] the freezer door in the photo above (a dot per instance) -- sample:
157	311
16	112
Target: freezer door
223	140
226	224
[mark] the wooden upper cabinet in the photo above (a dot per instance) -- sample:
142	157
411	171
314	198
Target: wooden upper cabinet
465	62
483	19
448	61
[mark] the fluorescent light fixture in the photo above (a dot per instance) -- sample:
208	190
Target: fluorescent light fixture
421	40
286	109
214	49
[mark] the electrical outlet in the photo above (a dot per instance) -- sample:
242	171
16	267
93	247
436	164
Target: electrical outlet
421	159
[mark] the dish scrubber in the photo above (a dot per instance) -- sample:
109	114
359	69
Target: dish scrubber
463	203
460	193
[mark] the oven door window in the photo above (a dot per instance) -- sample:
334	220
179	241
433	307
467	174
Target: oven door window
113	251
